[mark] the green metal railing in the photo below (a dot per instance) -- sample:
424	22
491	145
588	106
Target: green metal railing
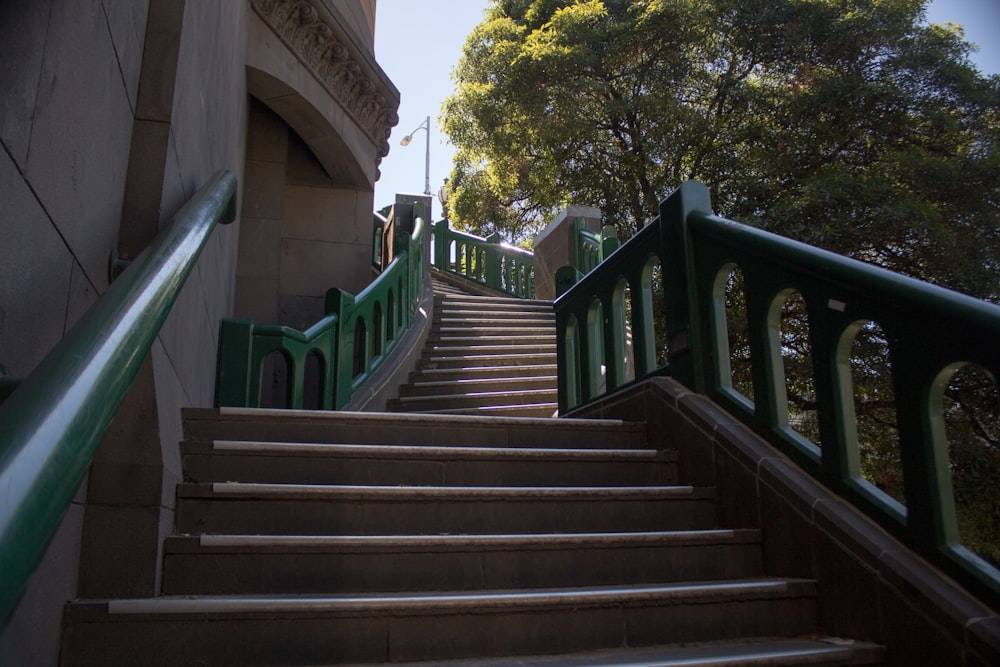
591	249
346	346
930	331
484	261
52	424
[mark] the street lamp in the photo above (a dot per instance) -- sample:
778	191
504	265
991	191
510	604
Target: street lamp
426	125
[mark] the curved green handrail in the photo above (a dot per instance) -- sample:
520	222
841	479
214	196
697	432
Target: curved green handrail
929	331
484	261
381	313
51	426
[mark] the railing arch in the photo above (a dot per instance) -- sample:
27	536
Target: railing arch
929	330
397	289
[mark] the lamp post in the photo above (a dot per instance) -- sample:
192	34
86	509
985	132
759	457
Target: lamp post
426	125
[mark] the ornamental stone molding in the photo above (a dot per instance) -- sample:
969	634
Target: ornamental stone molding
312	35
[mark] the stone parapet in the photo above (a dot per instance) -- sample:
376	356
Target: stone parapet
554	246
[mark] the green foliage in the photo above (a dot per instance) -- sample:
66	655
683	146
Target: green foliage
848	124
851	125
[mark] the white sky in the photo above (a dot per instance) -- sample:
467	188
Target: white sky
418	42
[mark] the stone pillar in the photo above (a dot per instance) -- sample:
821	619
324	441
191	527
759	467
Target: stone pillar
554	246
404	218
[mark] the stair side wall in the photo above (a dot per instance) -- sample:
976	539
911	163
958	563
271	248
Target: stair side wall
98	139
871	586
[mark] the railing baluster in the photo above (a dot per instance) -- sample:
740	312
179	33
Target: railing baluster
929	330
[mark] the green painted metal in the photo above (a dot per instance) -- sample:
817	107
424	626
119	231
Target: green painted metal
509	269
930	331
589	248
484	261
51	426
381	313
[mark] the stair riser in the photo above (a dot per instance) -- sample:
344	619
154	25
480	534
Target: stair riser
485	372
439	433
477	399
487	311
425	472
490	384
489	348
211	571
472	361
495	302
458	327
462	339
312	638
501	516
545	410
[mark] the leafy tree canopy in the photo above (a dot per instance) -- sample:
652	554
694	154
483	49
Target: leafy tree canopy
849	124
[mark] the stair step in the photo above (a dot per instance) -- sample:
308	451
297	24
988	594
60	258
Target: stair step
525	410
487	348
502	310
474	398
489	323
475	360
262	424
465	338
321	463
419	387
259	564
483	372
315	629
512	303
768	651
302	509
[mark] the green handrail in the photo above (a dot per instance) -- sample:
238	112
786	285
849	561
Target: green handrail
930	331
52	424
349	343
590	248
484	261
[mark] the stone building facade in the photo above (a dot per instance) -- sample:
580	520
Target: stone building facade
112	114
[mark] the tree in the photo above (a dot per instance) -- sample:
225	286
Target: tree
851	125
848	124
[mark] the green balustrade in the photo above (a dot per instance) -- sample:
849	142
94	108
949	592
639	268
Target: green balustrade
485	261
590	248
348	344
930	332
52	423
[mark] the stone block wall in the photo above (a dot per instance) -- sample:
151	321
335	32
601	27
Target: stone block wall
556	244
112	115
69	78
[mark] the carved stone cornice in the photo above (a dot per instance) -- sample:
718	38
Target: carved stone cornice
312	35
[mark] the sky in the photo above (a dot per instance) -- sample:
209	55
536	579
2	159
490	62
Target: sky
418	42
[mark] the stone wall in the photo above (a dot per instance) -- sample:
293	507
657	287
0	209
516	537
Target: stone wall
112	114
69	79
555	246
303	232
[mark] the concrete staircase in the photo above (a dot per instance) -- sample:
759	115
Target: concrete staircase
485	355
309	538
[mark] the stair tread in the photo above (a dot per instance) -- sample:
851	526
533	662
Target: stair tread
763	651
501	393
223	542
453	493
372	418
430	451
461	601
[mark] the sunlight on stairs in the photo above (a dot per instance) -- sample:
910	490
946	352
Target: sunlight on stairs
312	538
486	355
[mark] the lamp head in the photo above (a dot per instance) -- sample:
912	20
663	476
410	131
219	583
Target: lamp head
406	140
